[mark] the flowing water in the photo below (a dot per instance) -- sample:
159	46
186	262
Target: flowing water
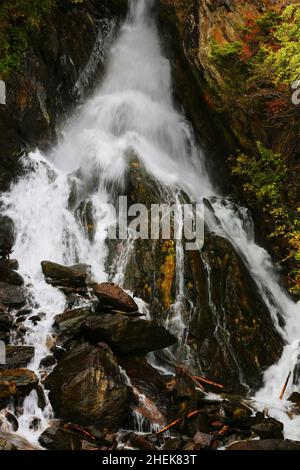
131	112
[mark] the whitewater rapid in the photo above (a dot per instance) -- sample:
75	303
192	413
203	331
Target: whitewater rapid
130	113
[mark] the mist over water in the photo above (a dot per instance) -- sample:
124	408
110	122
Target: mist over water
130	113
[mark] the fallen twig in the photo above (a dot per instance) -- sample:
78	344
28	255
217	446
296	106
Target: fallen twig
177	421
206	381
284	387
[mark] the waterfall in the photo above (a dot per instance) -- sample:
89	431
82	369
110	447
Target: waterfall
131	111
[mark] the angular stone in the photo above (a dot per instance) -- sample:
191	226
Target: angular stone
25	380
56	437
269	429
18	356
128	335
12	296
65	276
69	323
87	388
113	297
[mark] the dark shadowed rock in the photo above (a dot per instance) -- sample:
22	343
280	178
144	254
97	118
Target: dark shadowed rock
265	444
65	276
113	297
6	320
9	275
128	335
7	232
87	388
137	441
25	380
269	429
17	356
11	296
57	437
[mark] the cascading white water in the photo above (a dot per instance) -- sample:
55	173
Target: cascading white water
131	112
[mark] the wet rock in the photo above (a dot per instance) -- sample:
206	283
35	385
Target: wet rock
173	444
11	264
87	388
6	320
48	361
9	275
41	397
70	322
128	335
295	398
18	356
229	313
203	439
56	437
7	234
65	276
12	420
7	389
269	429
266	444
23	380
37	318
12	296
112	296
138	441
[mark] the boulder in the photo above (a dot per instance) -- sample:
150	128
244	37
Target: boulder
266	444
65	276
9	275
128	335
57	437
87	388
269	429
23	380
11	296
18	356
112	296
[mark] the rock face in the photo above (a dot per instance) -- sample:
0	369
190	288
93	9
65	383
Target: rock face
229	313
112	296
87	388
228	310
128	335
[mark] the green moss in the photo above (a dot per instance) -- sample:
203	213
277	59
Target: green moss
19	19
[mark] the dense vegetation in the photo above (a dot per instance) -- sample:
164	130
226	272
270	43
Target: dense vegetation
258	71
19	19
